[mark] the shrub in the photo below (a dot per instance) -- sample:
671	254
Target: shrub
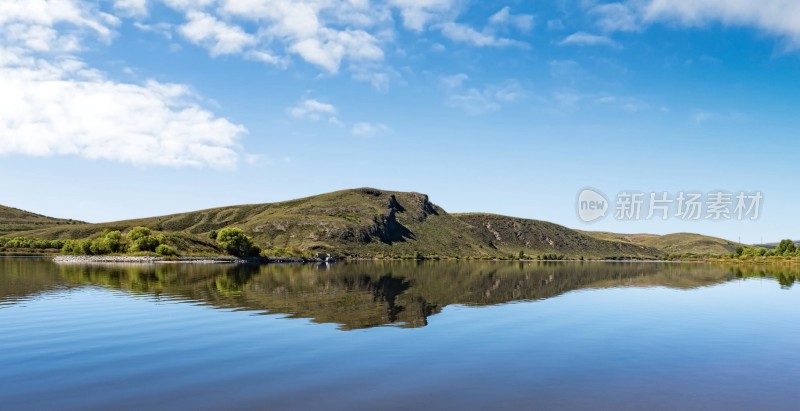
99	246
86	247
113	240
786	247
142	239
72	247
166	251
235	242
31	243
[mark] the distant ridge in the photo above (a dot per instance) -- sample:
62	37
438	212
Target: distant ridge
678	243
13	220
369	222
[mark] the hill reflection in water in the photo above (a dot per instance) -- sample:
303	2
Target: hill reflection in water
365	294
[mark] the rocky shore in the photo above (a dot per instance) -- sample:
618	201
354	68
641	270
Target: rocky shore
83	259
124	259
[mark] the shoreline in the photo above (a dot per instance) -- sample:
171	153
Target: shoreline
122	259
119	259
146	259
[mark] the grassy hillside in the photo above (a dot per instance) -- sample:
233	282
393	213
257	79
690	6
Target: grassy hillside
13	220
679	243
509	235
363	222
368	222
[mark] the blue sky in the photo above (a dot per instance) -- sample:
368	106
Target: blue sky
130	108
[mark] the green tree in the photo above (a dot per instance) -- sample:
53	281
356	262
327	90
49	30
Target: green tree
142	239
521	254
86	247
99	247
785	247
72	247
114	242
110	242
235	242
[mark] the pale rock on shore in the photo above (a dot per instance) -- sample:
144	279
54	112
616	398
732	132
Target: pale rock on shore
126	259
82	259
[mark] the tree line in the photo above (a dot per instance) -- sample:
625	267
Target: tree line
137	240
786	248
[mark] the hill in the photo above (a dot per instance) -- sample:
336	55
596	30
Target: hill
678	243
510	234
368	222
13	220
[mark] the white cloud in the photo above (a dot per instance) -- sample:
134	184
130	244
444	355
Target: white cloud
629	104
219	37
586	39
265	57
367	129
52	103
377	75
615	17
330	35
473	102
65	108
189	4
162	29
781	17
466	34
418	13
454	81
324	34
776	17
509	92
31	24
571	100
478	100
314	110
133	8
330	47
504	17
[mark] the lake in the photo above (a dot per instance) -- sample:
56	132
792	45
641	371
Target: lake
398	336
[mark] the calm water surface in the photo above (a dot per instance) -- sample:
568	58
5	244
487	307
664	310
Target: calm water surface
398	336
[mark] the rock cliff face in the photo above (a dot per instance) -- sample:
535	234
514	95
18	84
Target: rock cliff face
387	227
